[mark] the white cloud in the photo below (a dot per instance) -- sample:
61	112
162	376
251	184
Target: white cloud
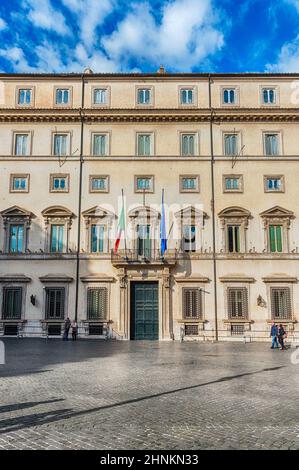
43	15
3	25
288	58
186	35
293	2
16	56
90	15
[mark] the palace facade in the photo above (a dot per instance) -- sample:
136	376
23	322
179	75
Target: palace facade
223	147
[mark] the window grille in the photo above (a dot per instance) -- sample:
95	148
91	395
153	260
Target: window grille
237	303
191	330
12	303
281	308
97	303
55	299
192	303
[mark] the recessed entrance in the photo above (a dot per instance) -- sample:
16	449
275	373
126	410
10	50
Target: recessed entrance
144	311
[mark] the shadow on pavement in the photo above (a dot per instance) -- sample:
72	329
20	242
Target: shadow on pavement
16	424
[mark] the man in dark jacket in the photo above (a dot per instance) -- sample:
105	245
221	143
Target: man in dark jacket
67	325
274	334
281	337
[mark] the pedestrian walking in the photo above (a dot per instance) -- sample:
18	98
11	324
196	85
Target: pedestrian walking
281	337
67	325
274	336
74	330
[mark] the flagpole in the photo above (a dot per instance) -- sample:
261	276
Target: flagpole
125	234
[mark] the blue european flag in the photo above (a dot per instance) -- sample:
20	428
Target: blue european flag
163	228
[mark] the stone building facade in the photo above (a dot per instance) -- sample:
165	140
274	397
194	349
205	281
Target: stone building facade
224	150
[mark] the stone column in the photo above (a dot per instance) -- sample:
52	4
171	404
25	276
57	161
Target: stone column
123	313
166	314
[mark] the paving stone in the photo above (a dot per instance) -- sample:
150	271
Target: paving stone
147	395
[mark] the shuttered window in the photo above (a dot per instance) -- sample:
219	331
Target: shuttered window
237	303
144	145
233	238
192	303
231	144
97	303
60	145
229	96
188	144
281	303
12	303
275	237
99	145
21	144
144	96
271	144
55	298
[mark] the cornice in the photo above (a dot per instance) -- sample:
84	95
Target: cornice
91	115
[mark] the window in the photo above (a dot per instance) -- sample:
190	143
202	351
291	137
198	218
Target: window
62	96
12	303
60	145
59	183
237	303
19	183
192	303
275	238
144	240
99	184
186	96
237	329
144	184
189	184
144	96
24	96
191	330
271	144
274	184
231	144
97	303
144	144
97	238
232	183
55	299
229	96
57	238
233	238
188	142
281	308
269	95
234	222
189	238
100	96
21	144
100	144
16	238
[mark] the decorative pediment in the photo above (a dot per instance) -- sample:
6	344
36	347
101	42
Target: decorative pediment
278	212
191	212
16	212
234	212
144	212
57	211
98	212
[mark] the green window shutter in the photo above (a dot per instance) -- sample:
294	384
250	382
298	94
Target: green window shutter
272	238
278	239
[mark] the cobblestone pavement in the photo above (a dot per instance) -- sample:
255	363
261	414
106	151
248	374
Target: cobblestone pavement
147	395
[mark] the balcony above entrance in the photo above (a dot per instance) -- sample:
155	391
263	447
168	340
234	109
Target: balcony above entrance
144	257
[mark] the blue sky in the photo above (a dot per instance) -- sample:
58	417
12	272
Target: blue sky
127	36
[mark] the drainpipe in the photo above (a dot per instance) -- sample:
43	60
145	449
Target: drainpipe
81	112
213	208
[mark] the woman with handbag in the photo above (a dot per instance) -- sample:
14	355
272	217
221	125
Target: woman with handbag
281	337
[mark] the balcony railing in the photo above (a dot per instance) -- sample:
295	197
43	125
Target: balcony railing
145	257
